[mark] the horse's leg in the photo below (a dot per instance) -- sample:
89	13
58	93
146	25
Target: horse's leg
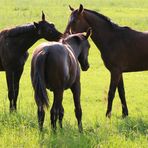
122	97
61	114
41	116
13	78
115	77
57	103
76	90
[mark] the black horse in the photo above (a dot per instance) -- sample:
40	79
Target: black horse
122	48
55	66
14	43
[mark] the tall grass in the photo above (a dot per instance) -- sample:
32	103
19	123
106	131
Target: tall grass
21	129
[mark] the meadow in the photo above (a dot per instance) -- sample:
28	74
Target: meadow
21	129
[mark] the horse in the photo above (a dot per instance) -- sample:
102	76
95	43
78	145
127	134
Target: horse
14	43
55	66
122	48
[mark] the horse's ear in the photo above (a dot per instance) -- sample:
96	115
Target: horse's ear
80	9
72	9
88	33
36	24
43	16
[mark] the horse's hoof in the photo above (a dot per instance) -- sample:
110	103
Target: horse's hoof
124	115
108	114
53	127
60	124
80	128
13	110
41	129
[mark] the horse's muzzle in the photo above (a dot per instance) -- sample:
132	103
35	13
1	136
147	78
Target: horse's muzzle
85	68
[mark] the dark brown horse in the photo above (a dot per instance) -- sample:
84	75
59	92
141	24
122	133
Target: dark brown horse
122	48
14	43
55	67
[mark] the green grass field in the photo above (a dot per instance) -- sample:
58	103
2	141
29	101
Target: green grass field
21	129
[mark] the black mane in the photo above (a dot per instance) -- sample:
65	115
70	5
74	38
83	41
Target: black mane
105	18
20	29
75	38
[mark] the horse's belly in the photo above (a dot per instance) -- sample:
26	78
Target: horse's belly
55	81
137	66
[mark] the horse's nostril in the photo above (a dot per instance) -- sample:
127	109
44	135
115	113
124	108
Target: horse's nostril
85	68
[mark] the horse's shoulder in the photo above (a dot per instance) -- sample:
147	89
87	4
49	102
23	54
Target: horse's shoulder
4	33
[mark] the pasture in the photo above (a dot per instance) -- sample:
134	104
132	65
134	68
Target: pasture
21	129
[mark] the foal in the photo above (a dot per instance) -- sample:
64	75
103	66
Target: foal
55	67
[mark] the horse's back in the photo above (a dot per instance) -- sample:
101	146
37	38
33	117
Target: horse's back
57	65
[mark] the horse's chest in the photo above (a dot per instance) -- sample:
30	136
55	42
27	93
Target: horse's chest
107	60
10	60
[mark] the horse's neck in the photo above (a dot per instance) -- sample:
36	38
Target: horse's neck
74	48
102	31
25	41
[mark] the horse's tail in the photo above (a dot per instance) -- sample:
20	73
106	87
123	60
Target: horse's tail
38	80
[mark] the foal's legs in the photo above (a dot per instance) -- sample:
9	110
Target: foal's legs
41	116
122	97
61	114
115	77
56	109
76	90
13	78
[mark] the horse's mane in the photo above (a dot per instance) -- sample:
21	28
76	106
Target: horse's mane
105	18
76	38
12	32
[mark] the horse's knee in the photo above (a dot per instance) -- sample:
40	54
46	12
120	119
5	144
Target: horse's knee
12	94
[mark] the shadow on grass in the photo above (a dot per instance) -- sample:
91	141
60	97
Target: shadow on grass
100	132
68	136
133	127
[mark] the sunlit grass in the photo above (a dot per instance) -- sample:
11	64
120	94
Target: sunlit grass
21	129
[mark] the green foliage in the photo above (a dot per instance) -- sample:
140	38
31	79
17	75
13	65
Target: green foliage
21	129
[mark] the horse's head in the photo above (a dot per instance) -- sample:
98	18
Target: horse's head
83	56
77	23
80	46
47	30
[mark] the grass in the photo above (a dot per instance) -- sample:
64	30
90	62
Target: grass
21	130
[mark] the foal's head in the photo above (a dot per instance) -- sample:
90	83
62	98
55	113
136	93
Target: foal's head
77	22
47	30
80	45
